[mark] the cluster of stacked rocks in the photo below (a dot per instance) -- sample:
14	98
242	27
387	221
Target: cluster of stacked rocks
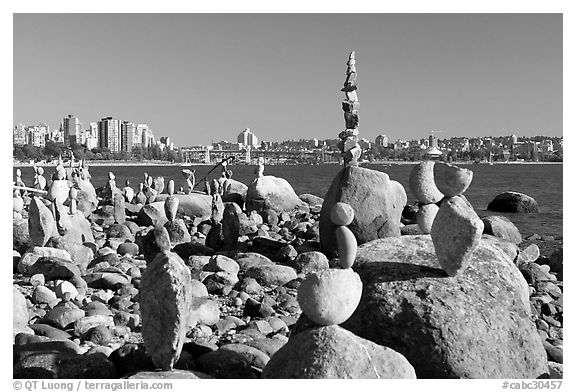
322	349
348	143
95	301
454	226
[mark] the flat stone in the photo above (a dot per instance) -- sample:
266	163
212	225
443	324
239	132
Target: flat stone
451	180
456	232
272	274
63	315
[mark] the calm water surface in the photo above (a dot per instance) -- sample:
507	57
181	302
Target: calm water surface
542	182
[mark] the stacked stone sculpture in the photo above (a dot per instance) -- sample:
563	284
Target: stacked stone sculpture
348	144
140	197
149	190
190	180
455	227
176	227
39	180
329	297
128	192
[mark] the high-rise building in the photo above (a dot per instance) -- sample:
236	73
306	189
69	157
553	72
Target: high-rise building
109	134
145	135
247	138
71	127
381	141
91	136
36	135
127	136
19	135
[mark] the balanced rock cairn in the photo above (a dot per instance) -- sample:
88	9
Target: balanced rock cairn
39	180
329	297
455	227
190	180
348	143
176	227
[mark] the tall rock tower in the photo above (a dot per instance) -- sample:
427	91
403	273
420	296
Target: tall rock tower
348	144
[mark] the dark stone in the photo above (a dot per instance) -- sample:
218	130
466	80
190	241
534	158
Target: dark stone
513	202
156	241
130	358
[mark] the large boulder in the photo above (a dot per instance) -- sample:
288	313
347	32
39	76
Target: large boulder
501	227
232	186
152	215
194	205
165	300
513	202
473	325
269	192
86	201
377	202
80	230
20	314
41	223
333	352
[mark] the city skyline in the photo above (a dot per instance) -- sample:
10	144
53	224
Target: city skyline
202	78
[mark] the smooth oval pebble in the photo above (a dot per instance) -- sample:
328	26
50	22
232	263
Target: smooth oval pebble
342	214
451	180
347	246
422	184
425	217
170	187
329	297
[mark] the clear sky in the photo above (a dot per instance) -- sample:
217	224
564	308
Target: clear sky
199	78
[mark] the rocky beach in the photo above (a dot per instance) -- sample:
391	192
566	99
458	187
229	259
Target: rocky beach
252	280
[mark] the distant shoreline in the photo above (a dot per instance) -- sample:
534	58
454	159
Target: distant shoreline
385	163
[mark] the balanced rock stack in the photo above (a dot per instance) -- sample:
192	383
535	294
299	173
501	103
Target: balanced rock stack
327	298
455	227
39	180
190	180
176	228
348	144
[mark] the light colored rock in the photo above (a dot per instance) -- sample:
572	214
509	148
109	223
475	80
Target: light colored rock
308	262
222	263
451	180
333	352
63	315
64	287
41	223
473	325
422	183
376	200
347	246
425	217
456	232
152	215
330	297
502	227
194	205
43	295
204	311
272	274
31	256
342	214
171	207
20	314
269	192
165	303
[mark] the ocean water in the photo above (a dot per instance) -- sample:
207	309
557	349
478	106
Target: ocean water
541	181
